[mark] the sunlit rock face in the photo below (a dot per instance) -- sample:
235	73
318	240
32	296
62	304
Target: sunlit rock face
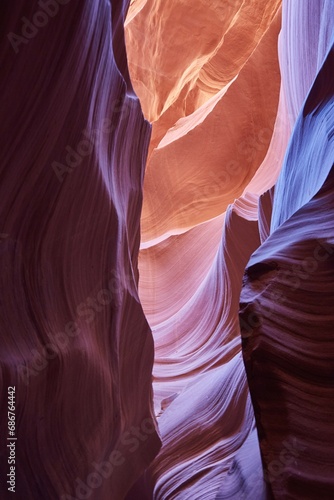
75	342
223	113
201	83
228	143
235	253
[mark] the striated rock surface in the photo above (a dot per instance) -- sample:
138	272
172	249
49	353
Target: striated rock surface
212	110
239	175
222	118
194	248
75	342
287	298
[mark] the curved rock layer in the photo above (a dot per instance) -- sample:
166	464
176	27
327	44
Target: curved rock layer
199	48
224	84
287	308
191	270
204	417
220	135
75	342
212	110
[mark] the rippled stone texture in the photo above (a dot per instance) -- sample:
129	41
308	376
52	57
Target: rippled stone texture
287	298
194	248
202	85
224	86
222	117
75	342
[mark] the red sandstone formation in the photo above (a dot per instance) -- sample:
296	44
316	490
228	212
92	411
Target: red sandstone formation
235	260
211	143
75	342
212	110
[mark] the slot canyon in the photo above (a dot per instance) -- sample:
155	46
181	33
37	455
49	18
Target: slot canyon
167	250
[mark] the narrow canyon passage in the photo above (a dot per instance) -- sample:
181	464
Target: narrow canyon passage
167	250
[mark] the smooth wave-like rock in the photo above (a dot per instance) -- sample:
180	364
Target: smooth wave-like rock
186	268
287	309
193	56
191	267
239	175
206	159
198	366
75	342
197	358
